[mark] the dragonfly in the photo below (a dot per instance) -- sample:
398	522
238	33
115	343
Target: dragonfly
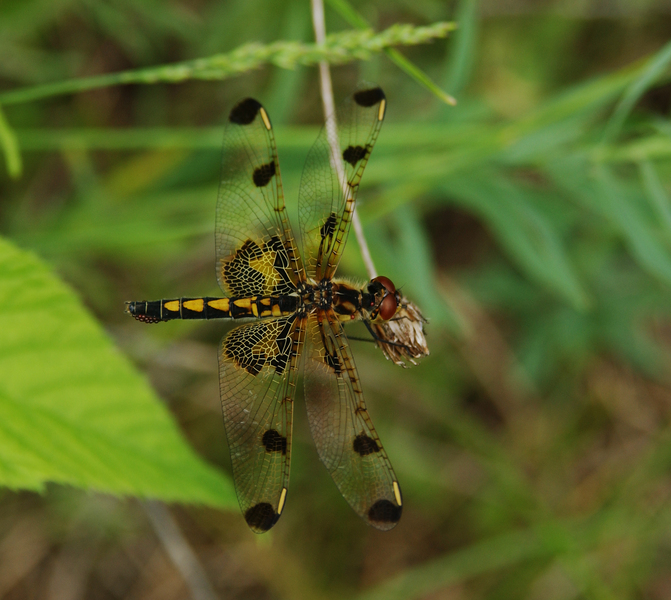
295	311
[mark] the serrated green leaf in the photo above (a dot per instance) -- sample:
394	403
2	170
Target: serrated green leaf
73	410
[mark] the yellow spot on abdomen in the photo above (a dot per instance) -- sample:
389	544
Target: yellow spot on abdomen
242	303
195	305
172	306
220	304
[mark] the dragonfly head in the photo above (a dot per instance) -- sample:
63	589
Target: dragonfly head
386	298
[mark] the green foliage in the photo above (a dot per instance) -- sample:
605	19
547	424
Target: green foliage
73	410
10	147
339	48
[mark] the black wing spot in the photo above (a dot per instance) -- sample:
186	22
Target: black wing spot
384	511
353	154
334	363
239	276
239	347
283	343
274	441
245	111
252	349
263	174
365	445
328	228
261	517
369	97
252	364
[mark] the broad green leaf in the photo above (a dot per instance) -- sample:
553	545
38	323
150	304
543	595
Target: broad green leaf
73	410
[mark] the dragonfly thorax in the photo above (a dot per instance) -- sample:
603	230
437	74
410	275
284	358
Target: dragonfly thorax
376	301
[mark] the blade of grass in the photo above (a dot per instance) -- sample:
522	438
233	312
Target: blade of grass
656	194
10	146
338	48
654	67
479	558
463	46
347	12
640	238
524	231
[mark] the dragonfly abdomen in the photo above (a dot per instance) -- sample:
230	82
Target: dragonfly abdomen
155	311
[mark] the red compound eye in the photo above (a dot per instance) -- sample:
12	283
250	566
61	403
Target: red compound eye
388	305
386	282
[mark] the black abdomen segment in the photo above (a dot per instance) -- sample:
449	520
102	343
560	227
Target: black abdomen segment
212	308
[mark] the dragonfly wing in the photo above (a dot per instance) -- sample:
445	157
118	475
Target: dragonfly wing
258	365
343	432
255	248
331	177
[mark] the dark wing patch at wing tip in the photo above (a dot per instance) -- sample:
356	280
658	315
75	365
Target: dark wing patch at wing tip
274	441
353	154
385	511
245	111
365	445
369	97
261	517
263	174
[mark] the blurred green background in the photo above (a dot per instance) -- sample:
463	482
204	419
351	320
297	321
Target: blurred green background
531	223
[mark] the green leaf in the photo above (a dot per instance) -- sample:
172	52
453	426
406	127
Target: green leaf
73	410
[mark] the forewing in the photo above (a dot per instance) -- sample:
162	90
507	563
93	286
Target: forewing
331	177
343	432
256	252
258	365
